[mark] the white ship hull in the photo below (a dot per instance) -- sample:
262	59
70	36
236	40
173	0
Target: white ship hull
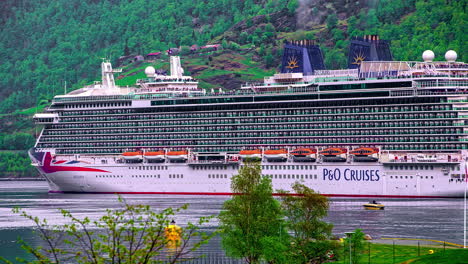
347	179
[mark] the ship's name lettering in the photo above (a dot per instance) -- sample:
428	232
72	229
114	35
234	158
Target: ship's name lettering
351	175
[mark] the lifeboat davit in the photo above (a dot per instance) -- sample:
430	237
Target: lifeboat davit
304	154
181	155
363	154
251	154
135	155
154	155
331	154
276	154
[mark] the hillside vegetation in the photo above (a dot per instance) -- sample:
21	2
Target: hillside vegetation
44	44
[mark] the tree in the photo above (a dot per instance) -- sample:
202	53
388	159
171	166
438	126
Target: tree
292	6
243	37
311	235
356	239
332	21
184	50
251	223
132	234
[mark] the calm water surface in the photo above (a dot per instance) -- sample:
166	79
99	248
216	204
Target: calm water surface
440	219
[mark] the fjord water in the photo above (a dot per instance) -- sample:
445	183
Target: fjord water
440	219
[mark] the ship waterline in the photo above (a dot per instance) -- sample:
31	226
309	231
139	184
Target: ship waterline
393	129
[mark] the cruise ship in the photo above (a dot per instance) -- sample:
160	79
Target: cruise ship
380	129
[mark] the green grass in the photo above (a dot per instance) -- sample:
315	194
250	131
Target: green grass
383	254
452	256
210	73
32	110
130	80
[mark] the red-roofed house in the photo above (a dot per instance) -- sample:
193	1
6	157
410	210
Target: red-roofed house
153	56
212	47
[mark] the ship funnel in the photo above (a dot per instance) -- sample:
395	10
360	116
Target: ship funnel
302	56
176	69
368	48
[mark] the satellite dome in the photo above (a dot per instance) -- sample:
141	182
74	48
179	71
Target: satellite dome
150	71
451	56
428	56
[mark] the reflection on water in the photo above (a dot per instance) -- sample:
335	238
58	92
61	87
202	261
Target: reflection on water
414	218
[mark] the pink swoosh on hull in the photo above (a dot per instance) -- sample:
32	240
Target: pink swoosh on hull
47	168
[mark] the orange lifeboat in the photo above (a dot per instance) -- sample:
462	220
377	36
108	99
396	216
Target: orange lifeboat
332	154
132	155
154	155
364	151
299	152
333	151
251	154
363	154
303	154
179	155
276	154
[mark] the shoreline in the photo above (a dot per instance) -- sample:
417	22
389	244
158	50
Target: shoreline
22	179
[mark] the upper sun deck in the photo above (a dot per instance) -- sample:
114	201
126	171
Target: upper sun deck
413	74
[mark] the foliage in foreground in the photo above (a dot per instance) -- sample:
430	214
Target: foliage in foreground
131	234
257	227
354	243
252	224
312	237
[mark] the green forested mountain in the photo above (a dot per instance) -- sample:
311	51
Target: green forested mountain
45	43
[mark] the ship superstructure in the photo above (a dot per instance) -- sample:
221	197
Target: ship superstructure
388	128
